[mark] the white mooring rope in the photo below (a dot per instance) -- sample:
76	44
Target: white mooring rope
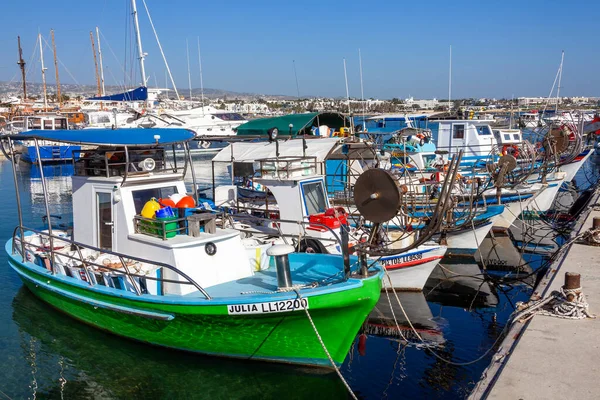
556	305
337	370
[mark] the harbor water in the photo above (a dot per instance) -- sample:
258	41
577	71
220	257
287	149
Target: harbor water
45	354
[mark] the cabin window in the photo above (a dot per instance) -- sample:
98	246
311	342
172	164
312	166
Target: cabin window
62	123
458	131
48	124
507	136
314	197
516	136
229	116
140	197
484	130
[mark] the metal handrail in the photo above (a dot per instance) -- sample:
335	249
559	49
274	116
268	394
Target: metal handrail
189	280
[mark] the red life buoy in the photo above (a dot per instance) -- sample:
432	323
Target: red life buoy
510	149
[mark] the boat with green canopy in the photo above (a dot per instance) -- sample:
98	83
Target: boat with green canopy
175	279
324	124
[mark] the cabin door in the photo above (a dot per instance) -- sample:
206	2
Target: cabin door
457	138
104	220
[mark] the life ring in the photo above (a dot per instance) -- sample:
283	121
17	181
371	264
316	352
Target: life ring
510	149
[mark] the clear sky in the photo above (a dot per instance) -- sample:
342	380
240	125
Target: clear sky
499	48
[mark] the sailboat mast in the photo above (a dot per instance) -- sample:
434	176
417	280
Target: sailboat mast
201	80
562	59
43	72
450	82
99	91
21	64
101	65
348	99
141	54
187	52
56	69
362	92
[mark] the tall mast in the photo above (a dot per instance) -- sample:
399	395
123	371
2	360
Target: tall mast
562	58
56	69
201	81
187	52
141	54
450	82
101	66
96	64
296	76
43	72
21	64
348	98
362	92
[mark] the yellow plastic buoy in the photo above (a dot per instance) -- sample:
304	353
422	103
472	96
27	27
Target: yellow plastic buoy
150	208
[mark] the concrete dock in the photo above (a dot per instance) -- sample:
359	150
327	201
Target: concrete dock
548	357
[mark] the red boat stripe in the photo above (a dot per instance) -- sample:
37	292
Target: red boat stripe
412	263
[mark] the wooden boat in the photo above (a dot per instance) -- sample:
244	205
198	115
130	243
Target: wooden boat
180	282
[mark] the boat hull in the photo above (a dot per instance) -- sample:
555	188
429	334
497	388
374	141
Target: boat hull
201	327
409	271
51	153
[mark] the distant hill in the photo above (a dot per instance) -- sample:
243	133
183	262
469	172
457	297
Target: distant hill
35	88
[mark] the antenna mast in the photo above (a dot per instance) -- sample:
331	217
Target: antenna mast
21	64
56	69
141	54
201	82
187	53
43	72
101	66
96	65
562	58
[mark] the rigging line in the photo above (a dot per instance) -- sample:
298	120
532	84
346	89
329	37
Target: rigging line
160	48
64	66
107	43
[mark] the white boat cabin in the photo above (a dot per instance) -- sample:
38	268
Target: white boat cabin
475	137
108	197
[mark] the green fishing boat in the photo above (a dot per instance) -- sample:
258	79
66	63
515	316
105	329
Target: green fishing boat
175	279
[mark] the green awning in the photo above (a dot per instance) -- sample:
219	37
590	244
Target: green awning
302	124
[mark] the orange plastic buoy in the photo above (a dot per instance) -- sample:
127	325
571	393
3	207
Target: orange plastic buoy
166	203
186	202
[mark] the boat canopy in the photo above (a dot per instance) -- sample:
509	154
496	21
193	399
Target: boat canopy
302	124
138	94
252	151
131	137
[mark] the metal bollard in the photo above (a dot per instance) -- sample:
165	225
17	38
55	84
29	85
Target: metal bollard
572	281
282	263
596	223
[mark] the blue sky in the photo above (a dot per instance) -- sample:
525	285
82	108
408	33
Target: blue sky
499	49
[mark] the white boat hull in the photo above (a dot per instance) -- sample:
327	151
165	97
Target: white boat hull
410	270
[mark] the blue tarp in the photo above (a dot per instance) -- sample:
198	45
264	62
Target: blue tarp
132	137
139	94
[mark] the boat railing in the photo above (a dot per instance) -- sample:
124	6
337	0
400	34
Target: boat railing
286	167
87	264
121	162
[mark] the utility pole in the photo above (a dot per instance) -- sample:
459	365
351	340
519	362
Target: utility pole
21	64
96	64
56	69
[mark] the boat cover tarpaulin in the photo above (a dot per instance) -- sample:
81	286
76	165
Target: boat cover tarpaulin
301	124
132	137
139	94
250	152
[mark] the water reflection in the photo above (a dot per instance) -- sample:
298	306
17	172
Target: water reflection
83	362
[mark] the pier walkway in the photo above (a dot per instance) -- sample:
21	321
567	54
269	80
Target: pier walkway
549	357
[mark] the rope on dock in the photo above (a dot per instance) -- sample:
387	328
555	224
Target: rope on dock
337	370
556	305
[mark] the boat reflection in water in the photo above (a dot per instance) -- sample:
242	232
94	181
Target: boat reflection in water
460	285
72	360
381	321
